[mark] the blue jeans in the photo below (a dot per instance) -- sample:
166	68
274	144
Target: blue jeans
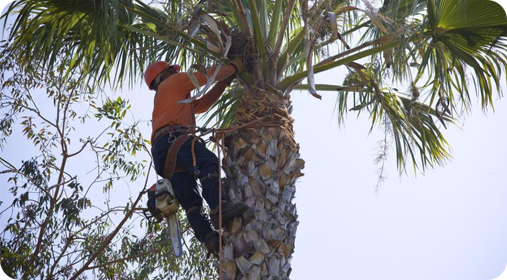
184	183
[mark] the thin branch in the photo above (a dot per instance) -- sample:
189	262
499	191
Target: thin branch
82	148
113	234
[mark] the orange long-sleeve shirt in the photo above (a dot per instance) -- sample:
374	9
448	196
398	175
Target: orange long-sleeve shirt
167	110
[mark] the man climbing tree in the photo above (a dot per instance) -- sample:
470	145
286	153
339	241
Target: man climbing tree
444	51
182	158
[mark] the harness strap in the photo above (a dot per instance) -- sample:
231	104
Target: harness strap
194	160
170	160
192	209
171	129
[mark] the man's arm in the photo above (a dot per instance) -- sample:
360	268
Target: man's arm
202	104
181	83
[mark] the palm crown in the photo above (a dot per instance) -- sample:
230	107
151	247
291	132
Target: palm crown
431	45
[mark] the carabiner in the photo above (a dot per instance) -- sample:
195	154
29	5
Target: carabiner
172	138
205	130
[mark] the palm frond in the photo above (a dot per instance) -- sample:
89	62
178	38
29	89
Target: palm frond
59	30
411	125
465	35
108	41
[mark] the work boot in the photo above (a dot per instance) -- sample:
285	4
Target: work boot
229	211
212	242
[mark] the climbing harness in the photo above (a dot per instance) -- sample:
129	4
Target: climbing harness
178	135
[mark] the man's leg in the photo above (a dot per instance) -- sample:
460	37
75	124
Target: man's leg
207	164
185	189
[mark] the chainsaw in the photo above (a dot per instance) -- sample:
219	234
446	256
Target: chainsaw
162	205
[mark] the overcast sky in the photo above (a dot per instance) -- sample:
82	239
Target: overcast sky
450	223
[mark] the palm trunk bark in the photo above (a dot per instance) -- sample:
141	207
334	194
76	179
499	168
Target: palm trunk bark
262	164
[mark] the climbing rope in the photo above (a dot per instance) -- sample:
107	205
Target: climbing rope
220	267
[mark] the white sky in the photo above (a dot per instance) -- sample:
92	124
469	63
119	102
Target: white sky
448	224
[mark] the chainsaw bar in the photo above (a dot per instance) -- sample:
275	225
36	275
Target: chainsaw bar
174	233
166	207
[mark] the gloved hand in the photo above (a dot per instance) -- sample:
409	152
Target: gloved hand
238	63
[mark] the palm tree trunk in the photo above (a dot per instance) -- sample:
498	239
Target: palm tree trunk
262	165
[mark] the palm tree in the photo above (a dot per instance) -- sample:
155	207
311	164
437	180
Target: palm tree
444	49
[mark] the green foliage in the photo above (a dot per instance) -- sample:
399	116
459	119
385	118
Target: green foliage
61	221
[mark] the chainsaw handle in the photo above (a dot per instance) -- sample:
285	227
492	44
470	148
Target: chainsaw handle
150	217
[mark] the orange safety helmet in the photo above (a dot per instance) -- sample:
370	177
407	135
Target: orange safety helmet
156	68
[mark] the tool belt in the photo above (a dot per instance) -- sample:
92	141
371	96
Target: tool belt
178	135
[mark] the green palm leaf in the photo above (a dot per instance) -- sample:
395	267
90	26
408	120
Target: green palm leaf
465	34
